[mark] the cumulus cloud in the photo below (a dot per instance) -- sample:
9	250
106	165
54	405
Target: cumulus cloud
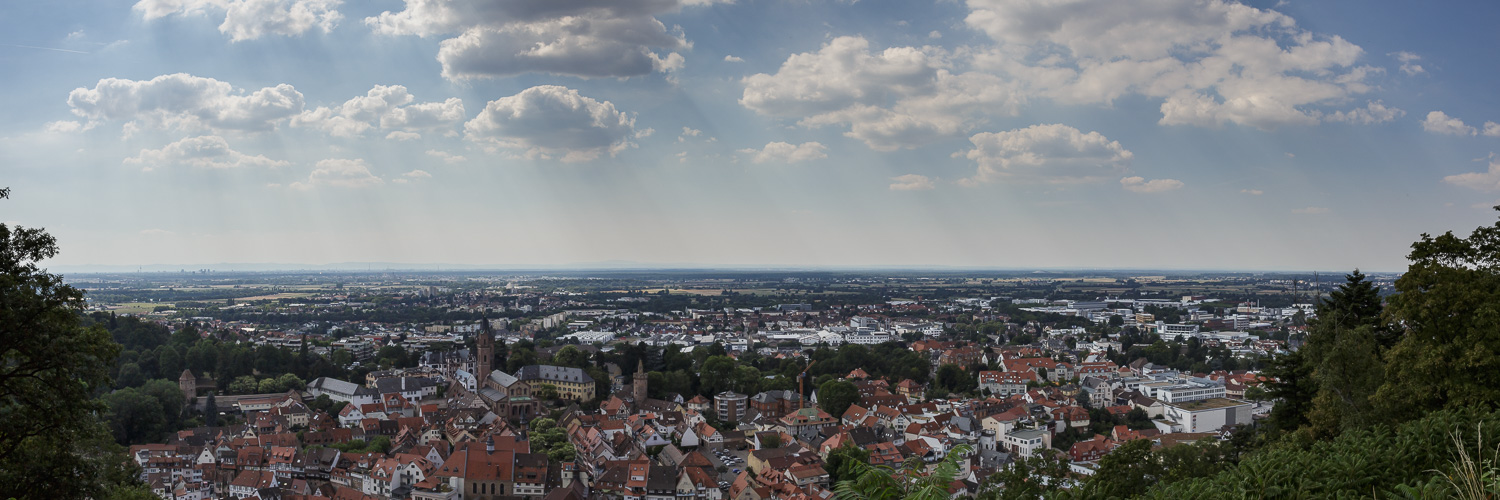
688	132
1488	180
733	59
400	135
339	173
1253	192
549	120
783	152
1373	112
1213	61
413	176
1139	184
445	156
1210	62
584	38
1408	62
209	151
63	126
911	182
1439	122
386	107
1492	129
185	101
252	19
1310	210
900	97
1053	153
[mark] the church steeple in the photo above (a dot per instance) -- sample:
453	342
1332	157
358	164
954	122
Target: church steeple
485	357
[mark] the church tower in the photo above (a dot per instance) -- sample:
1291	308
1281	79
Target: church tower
638	386
485	345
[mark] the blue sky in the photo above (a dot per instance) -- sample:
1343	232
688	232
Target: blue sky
992	133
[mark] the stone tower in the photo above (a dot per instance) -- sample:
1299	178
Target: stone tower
638	384
485	345
189	385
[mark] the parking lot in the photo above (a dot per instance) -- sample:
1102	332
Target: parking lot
733	461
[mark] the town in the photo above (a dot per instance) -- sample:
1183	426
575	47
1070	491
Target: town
738	386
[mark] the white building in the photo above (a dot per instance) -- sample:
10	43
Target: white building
1026	442
867	337
1206	415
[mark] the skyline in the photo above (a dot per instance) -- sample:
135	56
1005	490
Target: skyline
978	134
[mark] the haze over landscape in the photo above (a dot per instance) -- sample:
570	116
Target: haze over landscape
979	133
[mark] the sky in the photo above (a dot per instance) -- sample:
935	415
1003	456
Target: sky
1169	134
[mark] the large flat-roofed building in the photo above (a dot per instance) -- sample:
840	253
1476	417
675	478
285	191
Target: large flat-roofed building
1206	415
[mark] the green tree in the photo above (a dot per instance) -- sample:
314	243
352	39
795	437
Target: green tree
913	481
170	363
289	381
170	396
1343	353
717	375
572	357
134	416
1026	479
955	379
841	460
50	368
1293	388
243	385
1448	303
1128	470
211	411
835	397
546	392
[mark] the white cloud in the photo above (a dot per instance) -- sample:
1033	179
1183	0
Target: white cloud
1139	184
340	173
900	97
63	126
1212	61
688	132
550	120
252	19
911	182
1053	153
413	176
1310	210
445	156
185	101
1491	129
386	107
1373	112
1253	192
1439	122
209	151
733	59
783	152
1483	181
935	34
584	38
399	135
1409	62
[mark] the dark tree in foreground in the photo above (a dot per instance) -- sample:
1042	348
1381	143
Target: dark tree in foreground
52	444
